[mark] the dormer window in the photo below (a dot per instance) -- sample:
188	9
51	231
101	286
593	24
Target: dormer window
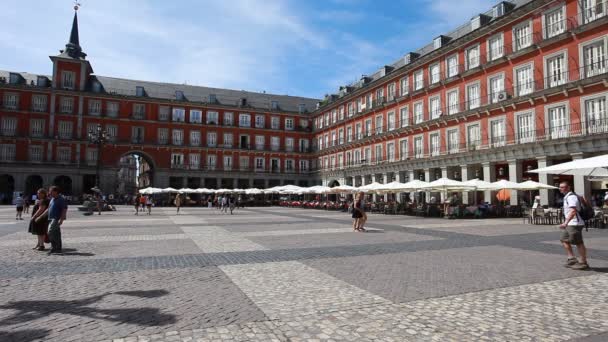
96	87
42	81
212	98
179	95
139	91
274	105
437	43
475	23
67	79
301	108
14	78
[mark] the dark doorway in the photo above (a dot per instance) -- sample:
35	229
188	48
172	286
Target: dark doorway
176	182
32	184
227	183
211	183
243	183
7	187
64	183
88	182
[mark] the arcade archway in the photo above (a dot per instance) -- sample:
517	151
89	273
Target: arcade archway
32	184
64	183
7	187
136	171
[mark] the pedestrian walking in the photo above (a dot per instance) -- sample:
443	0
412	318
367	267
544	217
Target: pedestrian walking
231	203
39	223
19	207
136	203
178	202
224	208
149	204
56	213
26	204
572	229
359	216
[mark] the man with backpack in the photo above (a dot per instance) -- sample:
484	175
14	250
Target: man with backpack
576	211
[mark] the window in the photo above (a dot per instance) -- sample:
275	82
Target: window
213	118
556	70
211	139
357	157
177	160
195	138
275	143
243	163
524	81
594	58
228	140
304	145
163	136
67	79
289	144
137	135
497	88
11	101
379	124
498	134
418	80
228	119
391	91
211	161
139	111
358	131
326	140
390	121
334	116
179	115
196	116
473	96
472	56
194	161
35	152
525	127
592	9
9	126
404	86
341	136
451	64
91	156
65	129
112	132
333	162
473	137
554	22
334	142
289	124
475	23
64	154
112	109
259	121
522	35
378	154
403	149
360	107
163	113
351	109
39	103
259	142
595	115
368	127
390	152
453	105
303	165
244	120
326	119
435	73
404	116
435	107
349	134
558	122
259	163
418	112
435	144
495	47
289	165
94	107
7	152
36	128
227	162
453	140
418	147
367	155
67	105
274	122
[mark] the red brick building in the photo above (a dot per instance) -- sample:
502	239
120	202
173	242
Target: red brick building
183	136
519	87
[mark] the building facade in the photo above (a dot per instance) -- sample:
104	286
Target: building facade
180	135
519	87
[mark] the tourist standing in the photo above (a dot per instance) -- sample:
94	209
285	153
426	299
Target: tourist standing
136	204
39	223
224	208
359	215
572	229
178	202
19	206
26	204
149	204
56	212
231	203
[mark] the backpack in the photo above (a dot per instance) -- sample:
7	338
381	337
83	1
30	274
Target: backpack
586	211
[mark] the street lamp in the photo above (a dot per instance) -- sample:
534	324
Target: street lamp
98	136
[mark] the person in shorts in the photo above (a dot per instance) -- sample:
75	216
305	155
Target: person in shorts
572	229
149	204
19	203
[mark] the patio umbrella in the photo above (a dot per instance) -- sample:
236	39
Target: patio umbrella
446	184
372	187
479	185
169	190
594	166
253	191
414	185
532	185
393	187
342	189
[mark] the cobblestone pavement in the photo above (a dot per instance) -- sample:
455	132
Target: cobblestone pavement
277	274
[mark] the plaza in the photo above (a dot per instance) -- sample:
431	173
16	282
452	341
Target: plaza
286	274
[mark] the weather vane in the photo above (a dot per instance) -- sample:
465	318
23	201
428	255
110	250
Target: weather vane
76	5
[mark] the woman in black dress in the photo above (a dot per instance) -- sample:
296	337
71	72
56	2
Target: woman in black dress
39	224
359	213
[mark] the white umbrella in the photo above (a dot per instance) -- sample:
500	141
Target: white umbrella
504	184
532	185
446	184
594	166
205	191
477	183
186	191
340	189
414	185
372	187
275	189
253	191
223	191
393	187
150	191
316	189
290	189
169	190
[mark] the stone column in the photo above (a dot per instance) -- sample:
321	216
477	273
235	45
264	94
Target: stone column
489	175
251	183
581	186
398	179
544	178
464	176
219	182
444	174
427	178
266	183
514	176
282	181
235	183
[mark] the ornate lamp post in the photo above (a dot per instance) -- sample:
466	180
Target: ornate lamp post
99	137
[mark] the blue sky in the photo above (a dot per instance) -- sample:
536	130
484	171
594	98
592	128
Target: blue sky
305	48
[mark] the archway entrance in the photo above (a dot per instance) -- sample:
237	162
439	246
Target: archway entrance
332	184
32	184
64	183
136	171
7	187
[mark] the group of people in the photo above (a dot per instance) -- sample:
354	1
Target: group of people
144	203
358	213
48	214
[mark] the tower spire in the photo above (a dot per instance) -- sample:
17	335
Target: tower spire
72	48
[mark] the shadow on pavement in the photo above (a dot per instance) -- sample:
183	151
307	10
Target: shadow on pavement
28	310
72	251
23	335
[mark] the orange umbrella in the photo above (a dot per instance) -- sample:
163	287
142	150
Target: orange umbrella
503	195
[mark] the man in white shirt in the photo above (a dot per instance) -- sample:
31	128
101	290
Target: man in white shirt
572	229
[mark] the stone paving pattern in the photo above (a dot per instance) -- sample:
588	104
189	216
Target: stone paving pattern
278	274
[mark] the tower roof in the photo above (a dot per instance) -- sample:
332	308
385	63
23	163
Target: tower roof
72	48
